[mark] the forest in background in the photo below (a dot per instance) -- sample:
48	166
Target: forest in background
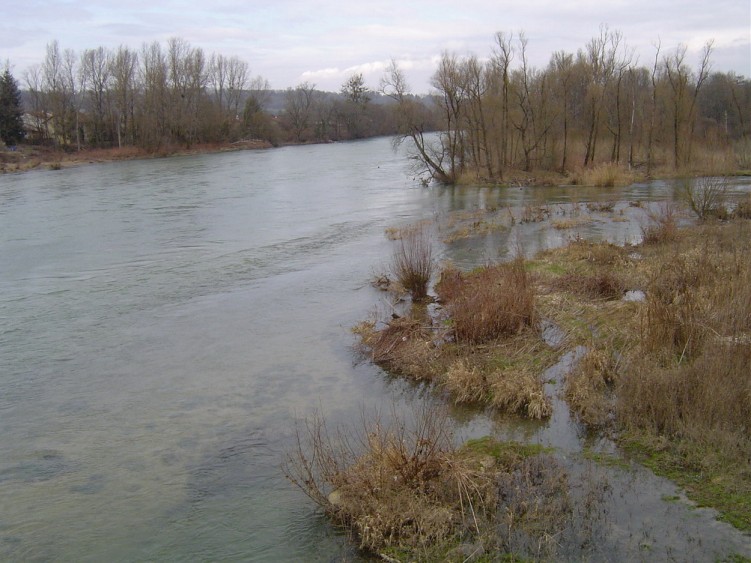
496	114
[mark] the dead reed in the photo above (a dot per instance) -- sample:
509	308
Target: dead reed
412	261
490	303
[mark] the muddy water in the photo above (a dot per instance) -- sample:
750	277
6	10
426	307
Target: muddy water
163	322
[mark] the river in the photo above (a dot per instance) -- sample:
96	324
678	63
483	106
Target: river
164	322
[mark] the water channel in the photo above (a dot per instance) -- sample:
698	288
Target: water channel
164	322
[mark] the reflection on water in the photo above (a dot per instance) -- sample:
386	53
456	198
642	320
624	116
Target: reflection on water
164	321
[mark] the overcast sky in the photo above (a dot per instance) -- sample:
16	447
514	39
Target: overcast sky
325	41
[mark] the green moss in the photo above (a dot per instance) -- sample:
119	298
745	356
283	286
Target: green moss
715	488
506	453
605	459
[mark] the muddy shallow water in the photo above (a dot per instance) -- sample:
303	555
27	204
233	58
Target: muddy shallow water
165	321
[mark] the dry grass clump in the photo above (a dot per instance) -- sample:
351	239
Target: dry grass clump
403	491
688	382
603	176
395	484
521	392
482	347
404	346
743	208
467	383
599	285
661	227
596	253
412	261
490	303
589	387
570	223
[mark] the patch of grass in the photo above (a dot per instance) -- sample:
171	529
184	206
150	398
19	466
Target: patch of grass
603	176
711	488
506	454
605	459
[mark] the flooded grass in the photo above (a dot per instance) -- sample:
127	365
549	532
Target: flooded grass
664	374
669	374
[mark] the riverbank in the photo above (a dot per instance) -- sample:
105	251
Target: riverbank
34	157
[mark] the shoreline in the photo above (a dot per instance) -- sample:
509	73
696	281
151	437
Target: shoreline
32	157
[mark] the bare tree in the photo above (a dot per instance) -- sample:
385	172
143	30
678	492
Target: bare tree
683	98
412	123
123	71
502	59
298	108
96	87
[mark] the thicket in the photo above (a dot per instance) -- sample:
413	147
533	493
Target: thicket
160	96
596	108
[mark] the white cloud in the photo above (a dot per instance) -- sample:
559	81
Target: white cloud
324	41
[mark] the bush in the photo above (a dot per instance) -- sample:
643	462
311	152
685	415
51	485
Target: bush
490	303
662	226
396	484
412	261
706	196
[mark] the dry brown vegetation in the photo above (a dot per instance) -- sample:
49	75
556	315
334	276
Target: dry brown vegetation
404	491
671	374
606	175
412	261
483	346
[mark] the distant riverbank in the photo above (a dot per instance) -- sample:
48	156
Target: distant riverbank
33	157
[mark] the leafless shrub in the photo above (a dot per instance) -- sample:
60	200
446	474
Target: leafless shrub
394	483
412	261
706	196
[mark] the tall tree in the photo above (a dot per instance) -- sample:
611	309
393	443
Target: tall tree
354	109
11	112
413	123
298	108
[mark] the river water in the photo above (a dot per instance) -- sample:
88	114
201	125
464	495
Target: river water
164	322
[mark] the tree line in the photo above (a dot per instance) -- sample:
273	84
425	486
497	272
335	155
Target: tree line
175	95
582	110
495	114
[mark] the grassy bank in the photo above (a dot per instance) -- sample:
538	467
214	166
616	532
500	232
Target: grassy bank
669	375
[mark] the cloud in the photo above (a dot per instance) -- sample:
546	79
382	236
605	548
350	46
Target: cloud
325	41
